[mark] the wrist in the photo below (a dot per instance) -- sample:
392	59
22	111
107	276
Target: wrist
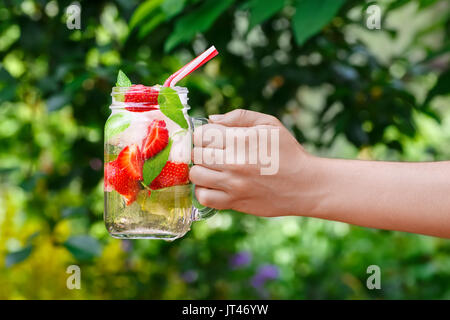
315	188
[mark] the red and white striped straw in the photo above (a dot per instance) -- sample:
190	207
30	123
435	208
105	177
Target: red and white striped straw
191	66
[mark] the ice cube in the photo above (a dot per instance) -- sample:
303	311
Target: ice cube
137	131
181	147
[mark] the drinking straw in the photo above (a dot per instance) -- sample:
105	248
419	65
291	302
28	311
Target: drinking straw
191	66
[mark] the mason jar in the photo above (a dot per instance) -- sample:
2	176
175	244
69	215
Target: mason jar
147	155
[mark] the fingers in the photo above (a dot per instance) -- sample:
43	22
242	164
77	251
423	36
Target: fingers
209	157
243	118
210	135
213	135
213	198
204	177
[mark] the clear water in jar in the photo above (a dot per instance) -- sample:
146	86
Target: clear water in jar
164	213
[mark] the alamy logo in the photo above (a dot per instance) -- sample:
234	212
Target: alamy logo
73	13
74	280
373	20
374	280
240	146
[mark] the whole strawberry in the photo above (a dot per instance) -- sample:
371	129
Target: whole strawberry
173	173
145	96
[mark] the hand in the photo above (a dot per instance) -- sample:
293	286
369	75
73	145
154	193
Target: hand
409	197
243	187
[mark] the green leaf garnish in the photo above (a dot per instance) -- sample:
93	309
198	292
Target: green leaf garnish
122	80
171	106
153	166
115	124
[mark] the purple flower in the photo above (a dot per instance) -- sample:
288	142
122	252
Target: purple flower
189	276
269	271
127	245
264	273
240	260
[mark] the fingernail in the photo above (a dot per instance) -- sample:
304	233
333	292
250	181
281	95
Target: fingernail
215	117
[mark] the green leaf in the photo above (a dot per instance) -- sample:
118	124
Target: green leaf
8	92
116	123
153	166
151	24
7	171
172	7
171	106
57	101
29	183
143	12
426	3
152	13
71	212
33	236
122	80
83	247
312	15
442	87
392	6
196	21
261	10
18	256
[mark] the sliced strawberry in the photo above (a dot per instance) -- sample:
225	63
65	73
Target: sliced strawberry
124	173
109	171
119	180
173	173
141	93
157	139
146	97
130	161
141	109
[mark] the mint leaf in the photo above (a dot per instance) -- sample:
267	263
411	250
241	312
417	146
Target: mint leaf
122	80
153	166
171	106
115	124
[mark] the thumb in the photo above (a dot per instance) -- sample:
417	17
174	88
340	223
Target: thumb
244	118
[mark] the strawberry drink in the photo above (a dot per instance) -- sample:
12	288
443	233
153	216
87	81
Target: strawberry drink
147	157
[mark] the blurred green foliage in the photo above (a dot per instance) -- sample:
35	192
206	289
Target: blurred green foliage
343	91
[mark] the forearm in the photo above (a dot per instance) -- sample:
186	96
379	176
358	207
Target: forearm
413	197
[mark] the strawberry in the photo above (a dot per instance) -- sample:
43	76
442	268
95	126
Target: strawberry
109	171
173	173
117	179
124	173
146	96
130	161
157	139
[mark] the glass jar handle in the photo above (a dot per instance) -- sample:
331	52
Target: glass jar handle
200	211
